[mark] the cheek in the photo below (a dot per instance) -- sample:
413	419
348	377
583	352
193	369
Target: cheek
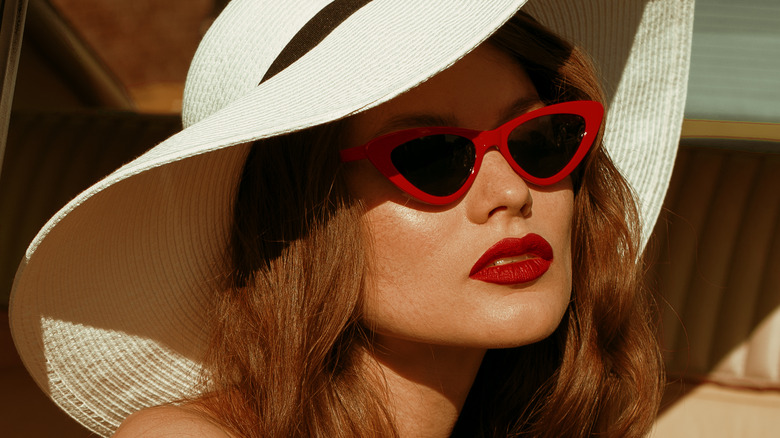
400	229
553	213
416	281
409	250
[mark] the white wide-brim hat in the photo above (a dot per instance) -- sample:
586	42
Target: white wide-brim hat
109	306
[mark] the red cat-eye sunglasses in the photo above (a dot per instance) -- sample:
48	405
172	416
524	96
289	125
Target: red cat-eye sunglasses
437	165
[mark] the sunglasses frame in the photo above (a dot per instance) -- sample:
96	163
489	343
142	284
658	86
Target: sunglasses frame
378	150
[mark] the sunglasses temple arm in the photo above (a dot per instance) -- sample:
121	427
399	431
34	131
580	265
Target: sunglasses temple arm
353	154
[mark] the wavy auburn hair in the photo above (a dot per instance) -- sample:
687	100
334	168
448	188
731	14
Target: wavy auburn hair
287	335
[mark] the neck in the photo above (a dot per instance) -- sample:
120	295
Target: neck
426	384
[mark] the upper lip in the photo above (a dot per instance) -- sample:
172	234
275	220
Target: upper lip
530	244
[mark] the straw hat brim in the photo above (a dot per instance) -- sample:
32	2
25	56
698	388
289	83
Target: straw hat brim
109	305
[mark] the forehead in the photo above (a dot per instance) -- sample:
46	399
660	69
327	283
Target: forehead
476	93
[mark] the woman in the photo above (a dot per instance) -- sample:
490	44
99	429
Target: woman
368	291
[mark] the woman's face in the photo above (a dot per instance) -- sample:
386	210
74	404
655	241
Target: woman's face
421	286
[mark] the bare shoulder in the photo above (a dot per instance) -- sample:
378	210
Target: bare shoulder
170	421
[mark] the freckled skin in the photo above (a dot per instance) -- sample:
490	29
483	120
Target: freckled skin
420	291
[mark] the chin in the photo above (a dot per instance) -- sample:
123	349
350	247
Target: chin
524	327
514	341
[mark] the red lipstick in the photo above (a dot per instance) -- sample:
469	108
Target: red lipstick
514	261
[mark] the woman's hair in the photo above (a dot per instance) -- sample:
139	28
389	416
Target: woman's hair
285	353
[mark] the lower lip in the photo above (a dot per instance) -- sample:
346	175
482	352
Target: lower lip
514	273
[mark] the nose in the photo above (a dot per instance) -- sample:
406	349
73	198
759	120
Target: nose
497	191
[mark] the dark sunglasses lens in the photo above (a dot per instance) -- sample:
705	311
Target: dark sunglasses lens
436	164
545	145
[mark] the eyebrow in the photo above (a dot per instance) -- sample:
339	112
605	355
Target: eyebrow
518	107
407	121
